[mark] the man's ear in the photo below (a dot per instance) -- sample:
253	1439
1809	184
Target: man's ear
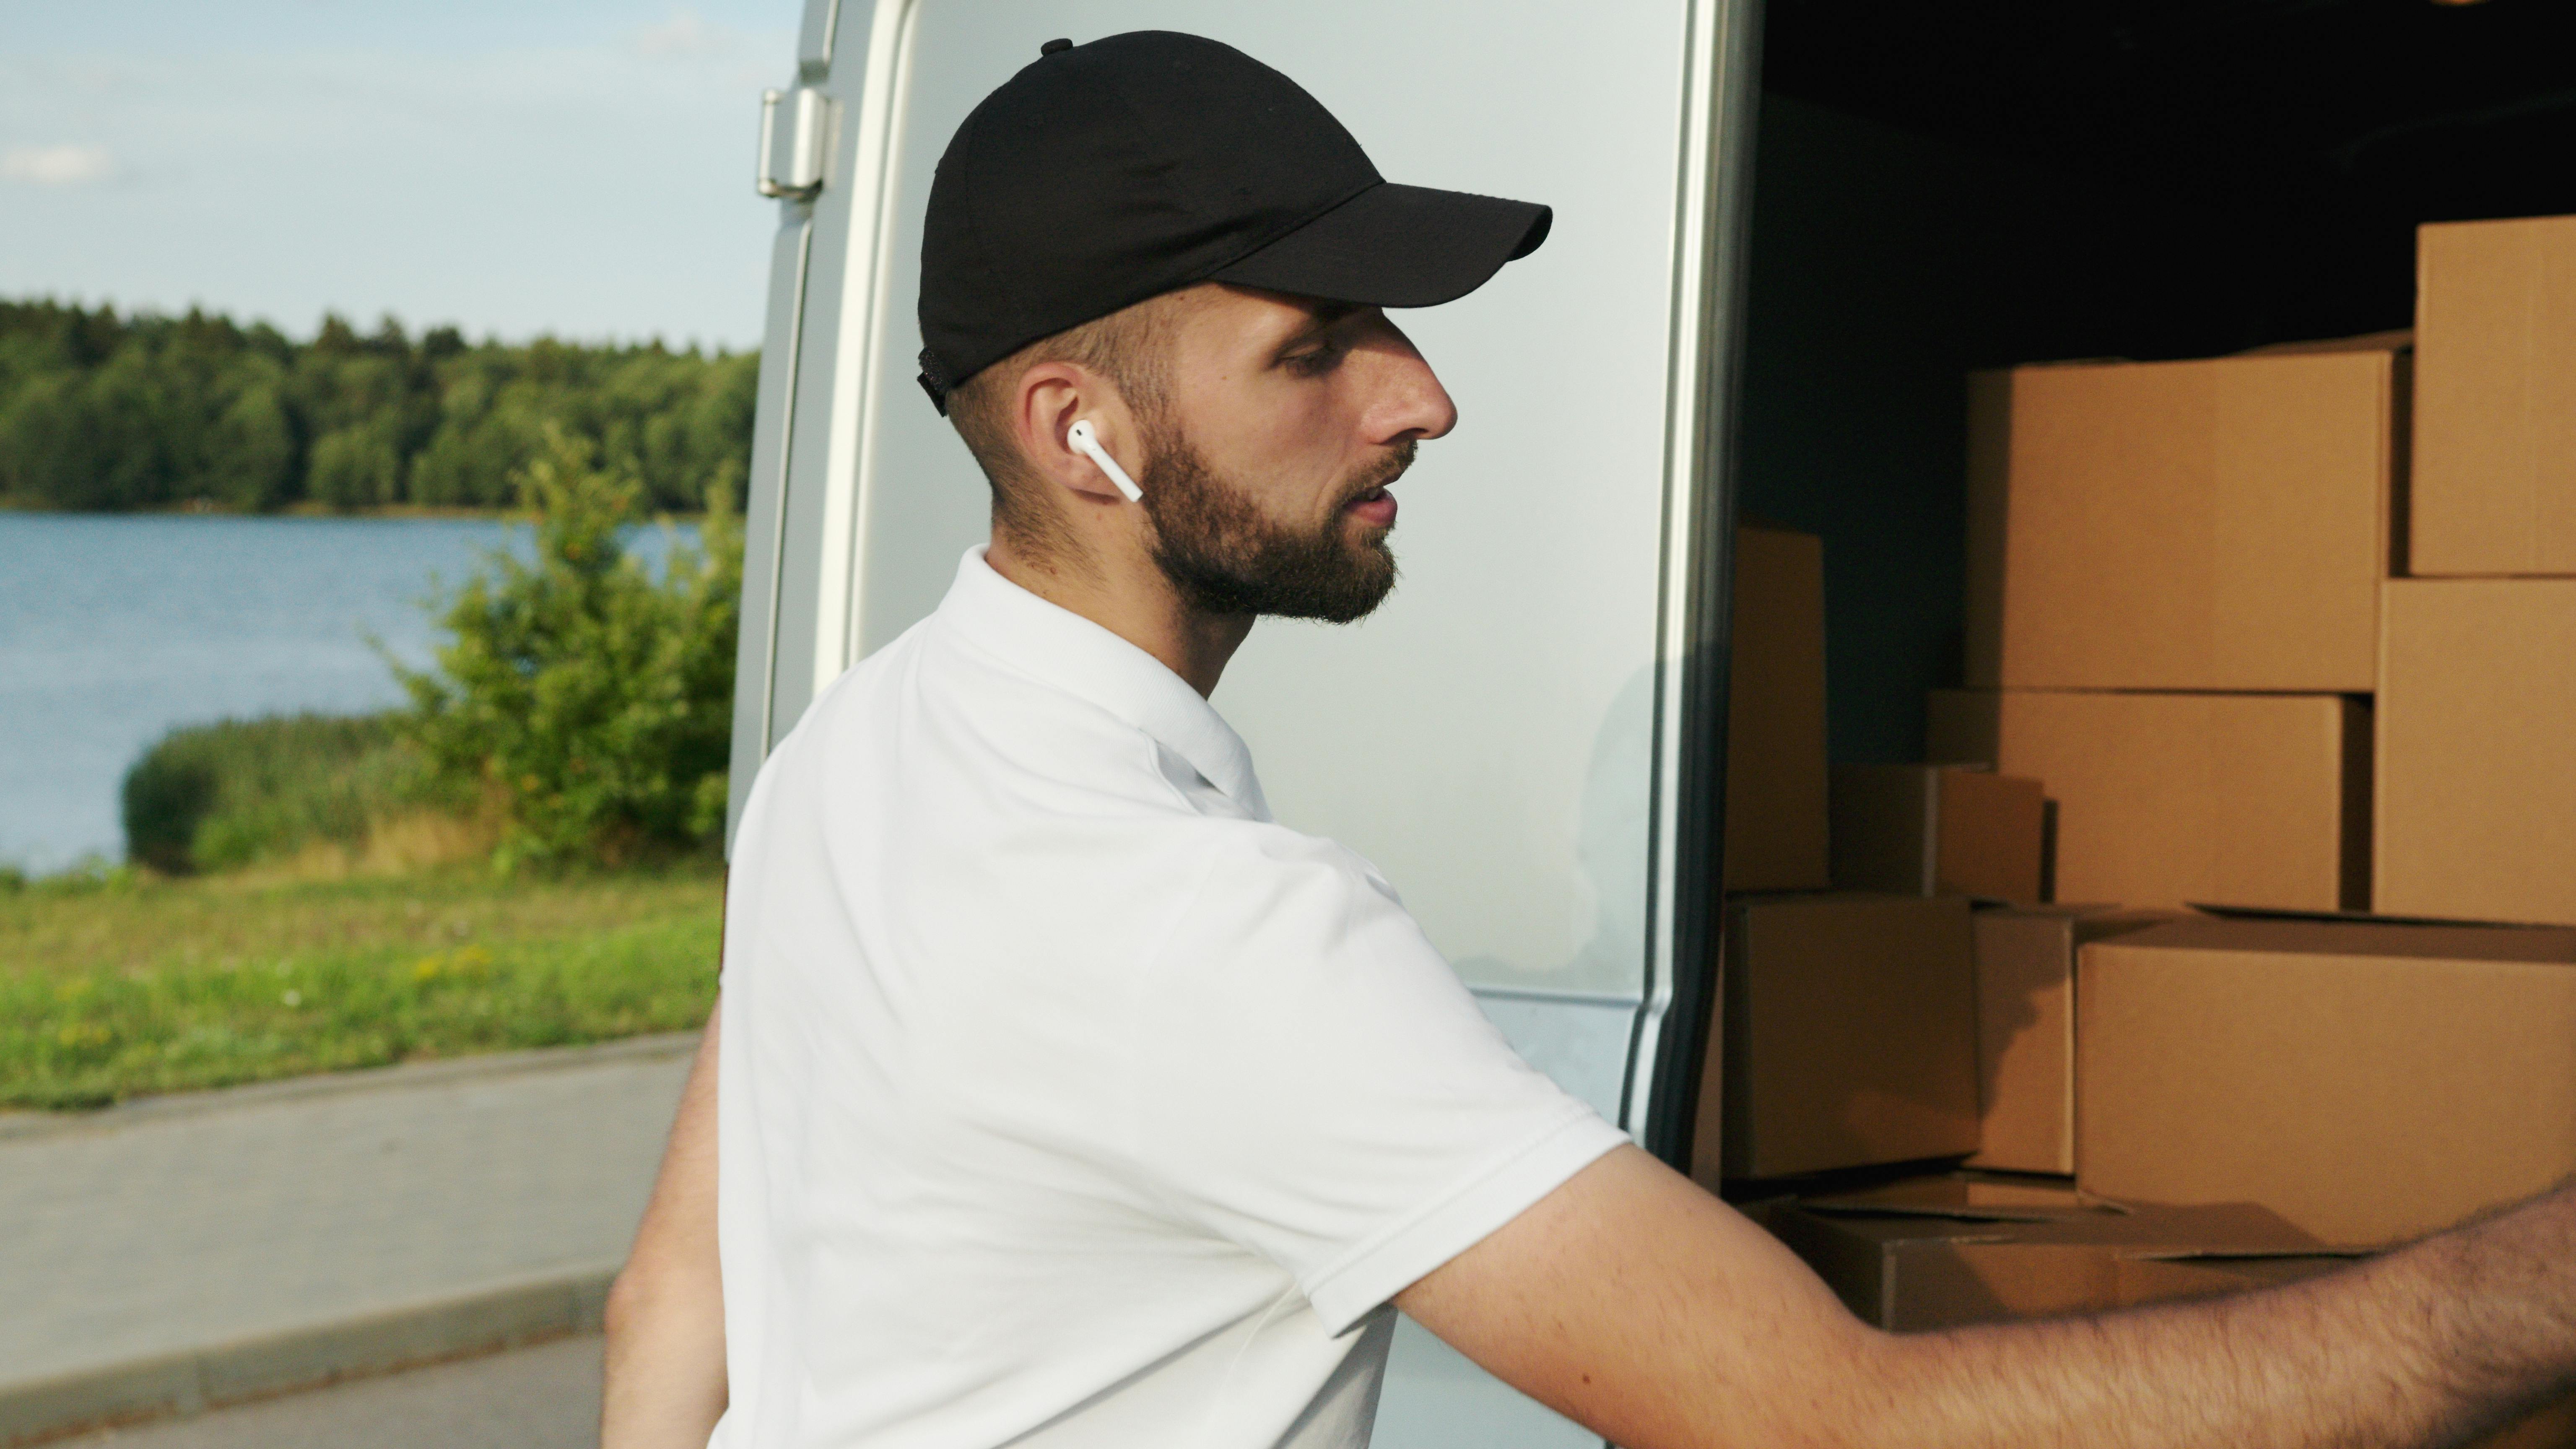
1051	398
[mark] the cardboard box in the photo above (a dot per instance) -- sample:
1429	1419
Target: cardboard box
2495	408
2165	800
2477	777
1938	830
1937	1253
2370	1083
1914	1271
2026	1028
1775	715
1850	1034
2218	524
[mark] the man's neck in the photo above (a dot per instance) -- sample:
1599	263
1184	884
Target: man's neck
1137	603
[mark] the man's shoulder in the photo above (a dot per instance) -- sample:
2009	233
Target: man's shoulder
1256	871
946	677
932	704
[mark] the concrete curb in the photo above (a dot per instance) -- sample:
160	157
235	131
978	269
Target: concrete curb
481	1320
18	1125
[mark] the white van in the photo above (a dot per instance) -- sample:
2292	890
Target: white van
1515	738
1527	737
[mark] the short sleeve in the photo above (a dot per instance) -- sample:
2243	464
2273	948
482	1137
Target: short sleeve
1315	1084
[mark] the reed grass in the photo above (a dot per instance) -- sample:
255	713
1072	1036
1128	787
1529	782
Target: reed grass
239	793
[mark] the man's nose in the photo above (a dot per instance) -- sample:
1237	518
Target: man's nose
1414	404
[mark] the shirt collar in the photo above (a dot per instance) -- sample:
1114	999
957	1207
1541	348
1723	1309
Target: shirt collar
1073	654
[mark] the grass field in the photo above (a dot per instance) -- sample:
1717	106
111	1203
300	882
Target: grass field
132	986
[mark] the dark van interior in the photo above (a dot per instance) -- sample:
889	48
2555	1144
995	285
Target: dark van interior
1945	187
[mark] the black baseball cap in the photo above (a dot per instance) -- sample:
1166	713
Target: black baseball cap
1107	173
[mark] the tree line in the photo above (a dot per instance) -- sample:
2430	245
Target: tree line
101	412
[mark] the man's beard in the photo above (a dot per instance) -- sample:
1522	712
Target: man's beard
1224	556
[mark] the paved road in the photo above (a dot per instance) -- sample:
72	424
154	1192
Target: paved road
535	1398
209	1230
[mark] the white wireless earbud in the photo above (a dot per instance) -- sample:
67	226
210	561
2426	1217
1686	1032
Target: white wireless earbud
1087	443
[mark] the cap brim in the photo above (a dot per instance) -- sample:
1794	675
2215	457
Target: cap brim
1396	246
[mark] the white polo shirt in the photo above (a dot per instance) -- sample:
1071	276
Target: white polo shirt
1066	1099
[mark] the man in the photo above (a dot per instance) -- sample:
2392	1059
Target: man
1061	1096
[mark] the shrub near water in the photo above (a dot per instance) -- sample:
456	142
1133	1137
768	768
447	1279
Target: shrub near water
222	796
591	700
585	702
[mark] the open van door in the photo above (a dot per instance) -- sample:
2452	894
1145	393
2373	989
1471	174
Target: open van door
1526	738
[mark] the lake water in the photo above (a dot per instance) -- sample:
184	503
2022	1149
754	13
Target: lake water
113	630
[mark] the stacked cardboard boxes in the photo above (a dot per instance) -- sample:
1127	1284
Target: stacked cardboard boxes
2165	800
1871	926
2477	786
2173	614
1972	837
2025	973
1856	972
2176	576
1850	1014
2290	636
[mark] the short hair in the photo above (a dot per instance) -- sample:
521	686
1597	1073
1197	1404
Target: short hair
1130	347
1127	347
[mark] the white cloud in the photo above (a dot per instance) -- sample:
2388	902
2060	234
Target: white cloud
684	33
65	165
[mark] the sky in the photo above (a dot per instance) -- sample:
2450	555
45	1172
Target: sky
574	167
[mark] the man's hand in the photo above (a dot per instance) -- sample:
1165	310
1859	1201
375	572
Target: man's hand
666	1344
1646	1310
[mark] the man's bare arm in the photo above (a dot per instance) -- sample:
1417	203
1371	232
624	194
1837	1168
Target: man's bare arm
1642	1307
666	1345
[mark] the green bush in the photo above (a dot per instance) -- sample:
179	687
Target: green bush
588	699
220	796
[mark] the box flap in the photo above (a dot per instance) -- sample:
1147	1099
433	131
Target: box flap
1801	1226
2284	913
2161	1231
2340	937
2400	339
2244	1255
1965	1200
2068	909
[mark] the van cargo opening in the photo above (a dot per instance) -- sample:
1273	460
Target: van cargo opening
1939	189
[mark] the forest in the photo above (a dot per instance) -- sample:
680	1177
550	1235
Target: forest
101	412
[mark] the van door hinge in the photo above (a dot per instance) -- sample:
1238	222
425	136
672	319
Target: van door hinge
795	139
